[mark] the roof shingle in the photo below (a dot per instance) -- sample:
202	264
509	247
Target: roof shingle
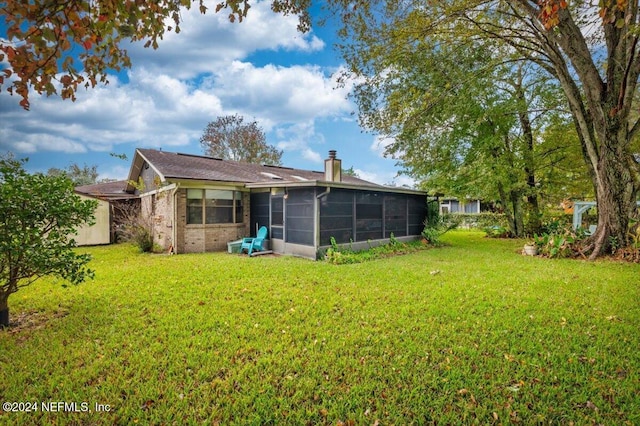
188	166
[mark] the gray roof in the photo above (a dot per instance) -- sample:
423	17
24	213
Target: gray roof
178	166
188	166
107	190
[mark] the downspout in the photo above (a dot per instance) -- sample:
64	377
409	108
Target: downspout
324	193
174	222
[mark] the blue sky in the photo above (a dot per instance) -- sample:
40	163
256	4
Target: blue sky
262	69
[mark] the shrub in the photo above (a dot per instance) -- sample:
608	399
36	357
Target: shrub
631	253
341	256
560	243
480	220
497	231
434	230
556	224
143	239
433	214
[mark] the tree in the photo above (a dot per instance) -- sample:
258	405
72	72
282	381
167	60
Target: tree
38	213
350	172
230	138
591	52
45	36
85	175
464	121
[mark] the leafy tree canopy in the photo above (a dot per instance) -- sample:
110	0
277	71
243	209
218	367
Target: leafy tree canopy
38	217
230	138
85	175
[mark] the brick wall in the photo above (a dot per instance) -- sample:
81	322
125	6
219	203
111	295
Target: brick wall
203	238
163	220
157	212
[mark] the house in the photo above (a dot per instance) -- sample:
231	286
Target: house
454	205
199	204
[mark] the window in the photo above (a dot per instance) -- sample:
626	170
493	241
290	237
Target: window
194	206
212	206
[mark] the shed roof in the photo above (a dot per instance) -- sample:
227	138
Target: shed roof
107	190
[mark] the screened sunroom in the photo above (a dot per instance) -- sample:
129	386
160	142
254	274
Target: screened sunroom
303	220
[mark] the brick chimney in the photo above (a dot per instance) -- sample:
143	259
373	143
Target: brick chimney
333	168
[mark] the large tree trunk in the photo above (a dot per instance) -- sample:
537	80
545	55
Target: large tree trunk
616	194
512	203
4	310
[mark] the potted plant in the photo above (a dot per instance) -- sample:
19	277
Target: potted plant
530	249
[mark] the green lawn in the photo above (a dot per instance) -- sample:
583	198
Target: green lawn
469	333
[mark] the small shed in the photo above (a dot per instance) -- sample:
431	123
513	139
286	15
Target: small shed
100	231
113	201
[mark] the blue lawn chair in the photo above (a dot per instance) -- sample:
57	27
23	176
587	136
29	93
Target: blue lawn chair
251	244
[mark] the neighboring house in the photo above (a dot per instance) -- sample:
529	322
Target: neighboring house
453	205
199	204
113	203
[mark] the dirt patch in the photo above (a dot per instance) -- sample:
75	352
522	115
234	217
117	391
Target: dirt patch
32	320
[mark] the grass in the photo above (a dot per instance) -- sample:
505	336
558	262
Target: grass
471	333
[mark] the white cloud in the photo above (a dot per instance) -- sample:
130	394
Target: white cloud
380	144
298	137
280	94
154	110
167	101
209	42
385	178
115	172
212	68
36	142
311	155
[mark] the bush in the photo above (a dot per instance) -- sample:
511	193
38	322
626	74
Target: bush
143	239
434	230
433	214
555	224
559	243
341	256
481	220
497	231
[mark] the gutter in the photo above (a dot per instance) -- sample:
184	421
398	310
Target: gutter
322	194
